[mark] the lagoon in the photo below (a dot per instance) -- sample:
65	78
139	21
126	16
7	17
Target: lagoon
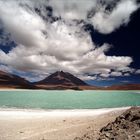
68	99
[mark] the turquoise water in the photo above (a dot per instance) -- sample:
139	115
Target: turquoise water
41	99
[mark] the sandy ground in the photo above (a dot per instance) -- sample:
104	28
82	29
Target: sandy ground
53	125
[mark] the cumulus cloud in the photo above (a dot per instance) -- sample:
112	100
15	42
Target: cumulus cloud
137	71
72	9
57	41
116	74
105	15
6	68
126	74
107	21
126	69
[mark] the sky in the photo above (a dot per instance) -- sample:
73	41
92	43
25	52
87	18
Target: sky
95	40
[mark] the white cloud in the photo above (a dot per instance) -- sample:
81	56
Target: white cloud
45	47
103	19
116	74
25	26
105	75
126	74
126	69
6	68
125	81
106	22
72	9
87	77
137	71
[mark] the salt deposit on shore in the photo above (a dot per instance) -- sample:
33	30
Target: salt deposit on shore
16	124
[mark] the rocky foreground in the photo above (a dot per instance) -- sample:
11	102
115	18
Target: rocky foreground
125	127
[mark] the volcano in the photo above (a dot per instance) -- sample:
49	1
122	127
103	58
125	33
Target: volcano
61	80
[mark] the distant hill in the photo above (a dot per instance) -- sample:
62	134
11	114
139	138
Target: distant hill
8	80
124	87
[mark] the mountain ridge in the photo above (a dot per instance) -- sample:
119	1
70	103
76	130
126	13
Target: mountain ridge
8	80
56	81
124	87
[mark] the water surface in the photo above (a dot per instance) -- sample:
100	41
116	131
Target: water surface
88	99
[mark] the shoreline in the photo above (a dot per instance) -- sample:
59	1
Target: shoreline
14	89
57	110
23	124
14	113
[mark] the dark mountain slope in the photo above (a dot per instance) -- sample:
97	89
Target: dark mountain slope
62	78
8	80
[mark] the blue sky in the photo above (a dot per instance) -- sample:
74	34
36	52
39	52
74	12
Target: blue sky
97	41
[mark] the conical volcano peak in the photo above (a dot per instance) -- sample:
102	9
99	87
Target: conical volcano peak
60	72
62	78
